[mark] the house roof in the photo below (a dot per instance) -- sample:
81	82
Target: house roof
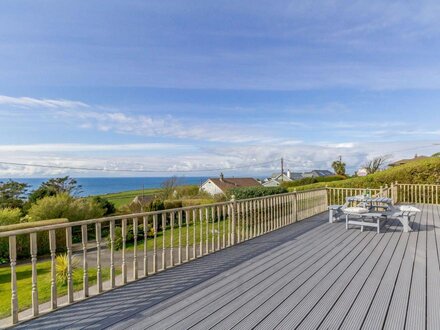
404	161
322	172
229	183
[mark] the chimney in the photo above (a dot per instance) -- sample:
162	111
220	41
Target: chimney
222	178
289	174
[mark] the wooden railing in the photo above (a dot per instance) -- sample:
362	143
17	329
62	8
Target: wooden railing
417	193
399	193
150	242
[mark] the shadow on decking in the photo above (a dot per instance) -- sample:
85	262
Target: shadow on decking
126	301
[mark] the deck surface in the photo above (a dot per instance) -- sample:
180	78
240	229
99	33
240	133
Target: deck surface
309	275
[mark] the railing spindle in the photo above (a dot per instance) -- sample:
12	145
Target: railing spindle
135	261
179	255
69	264
13	264
155	255
84	239
98	257
145	225
112	254
124	242
164	261
172	239
53	270
33	248
187	215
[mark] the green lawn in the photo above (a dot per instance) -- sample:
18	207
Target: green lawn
24	285
125	197
184	230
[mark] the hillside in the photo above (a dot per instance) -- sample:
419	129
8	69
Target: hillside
422	171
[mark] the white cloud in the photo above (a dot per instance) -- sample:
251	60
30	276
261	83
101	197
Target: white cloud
29	102
78	147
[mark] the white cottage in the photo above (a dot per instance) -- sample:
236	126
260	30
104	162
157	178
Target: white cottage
215	186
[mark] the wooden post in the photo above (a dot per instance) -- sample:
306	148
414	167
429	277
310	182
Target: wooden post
135	261
233	207
98	257
69	264
124	238
53	270
145	224
33	246
85	264
155	256
112	254
13	263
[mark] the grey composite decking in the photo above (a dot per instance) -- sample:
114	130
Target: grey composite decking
308	275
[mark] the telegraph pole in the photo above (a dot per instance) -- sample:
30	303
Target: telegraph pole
282	169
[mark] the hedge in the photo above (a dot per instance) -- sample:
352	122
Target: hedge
306	181
252	192
42	238
425	171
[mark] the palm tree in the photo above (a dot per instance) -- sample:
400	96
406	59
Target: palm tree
339	167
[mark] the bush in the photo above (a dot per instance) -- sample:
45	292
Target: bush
65	206
252	192
187	191
425	171
172	204
108	207
306	181
62	267
9	216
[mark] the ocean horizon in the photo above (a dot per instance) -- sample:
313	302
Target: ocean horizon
105	185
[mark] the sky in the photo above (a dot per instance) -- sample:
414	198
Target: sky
186	87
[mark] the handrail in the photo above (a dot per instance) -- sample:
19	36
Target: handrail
160	239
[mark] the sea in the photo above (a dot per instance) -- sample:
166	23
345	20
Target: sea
99	186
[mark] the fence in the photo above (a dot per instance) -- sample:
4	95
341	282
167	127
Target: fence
147	243
418	193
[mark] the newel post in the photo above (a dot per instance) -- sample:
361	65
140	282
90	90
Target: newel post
233	219
393	197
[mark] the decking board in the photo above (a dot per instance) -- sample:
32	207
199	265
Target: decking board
307	275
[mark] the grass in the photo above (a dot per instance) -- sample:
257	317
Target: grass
24	285
190	230
125	197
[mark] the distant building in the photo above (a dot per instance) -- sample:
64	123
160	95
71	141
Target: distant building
143	200
317	174
406	161
221	185
362	172
277	178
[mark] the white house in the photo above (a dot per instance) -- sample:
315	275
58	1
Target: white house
221	185
362	172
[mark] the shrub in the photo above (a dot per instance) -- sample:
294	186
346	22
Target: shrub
252	192
62	267
108	207
425	171
9	216
187	191
306	181
65	206
172	204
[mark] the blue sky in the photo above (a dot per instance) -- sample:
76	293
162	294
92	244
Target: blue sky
196	85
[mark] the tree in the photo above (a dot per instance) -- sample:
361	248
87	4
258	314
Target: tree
65	206
169	187
339	167
12	194
375	164
437	154
105	204
55	186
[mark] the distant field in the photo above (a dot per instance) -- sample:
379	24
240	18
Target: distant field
125	197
